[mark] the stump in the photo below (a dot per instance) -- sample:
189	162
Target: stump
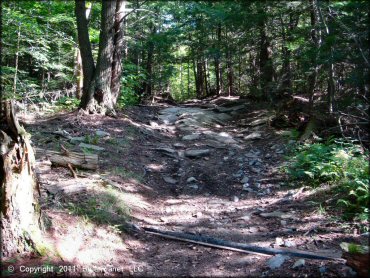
19	191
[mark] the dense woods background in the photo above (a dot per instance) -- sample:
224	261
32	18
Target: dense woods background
268	49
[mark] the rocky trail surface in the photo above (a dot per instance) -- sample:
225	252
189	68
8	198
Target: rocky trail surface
206	168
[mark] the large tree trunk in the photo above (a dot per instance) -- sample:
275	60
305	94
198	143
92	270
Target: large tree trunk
118	48
316	39
79	68
20	209
102	89
99	96
88	66
265	53
149	63
217	61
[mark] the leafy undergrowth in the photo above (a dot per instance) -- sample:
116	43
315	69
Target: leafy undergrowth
342	165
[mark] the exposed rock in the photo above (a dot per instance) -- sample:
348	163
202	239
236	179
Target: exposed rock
77	139
279	241
191	137
91	147
238	174
289	243
299	263
196	153
246	187
153	124
253	136
102	133
259	121
194	186
179	145
169	180
276	261
167	151
277	214
191	179
245	179
229	109
236	199
246	217
168	119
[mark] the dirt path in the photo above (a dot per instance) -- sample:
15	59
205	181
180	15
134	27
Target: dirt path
211	169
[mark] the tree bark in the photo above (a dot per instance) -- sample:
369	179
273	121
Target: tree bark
316	39
99	96
20	209
217	61
79	68
119	45
149	64
88	66
265	61
102	84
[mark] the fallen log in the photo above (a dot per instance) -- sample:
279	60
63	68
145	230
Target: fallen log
234	246
70	159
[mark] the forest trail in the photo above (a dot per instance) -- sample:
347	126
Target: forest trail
211	168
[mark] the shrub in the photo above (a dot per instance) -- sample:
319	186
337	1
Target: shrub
341	164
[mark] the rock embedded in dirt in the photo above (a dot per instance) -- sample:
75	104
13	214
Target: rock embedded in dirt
77	139
277	214
179	145
253	136
245	179
279	241
246	187
229	109
101	133
238	174
193	153
276	261
191	137
299	263
289	243
169	180
191	179
194	186
259	121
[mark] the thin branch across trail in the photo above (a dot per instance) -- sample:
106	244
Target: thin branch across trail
234	246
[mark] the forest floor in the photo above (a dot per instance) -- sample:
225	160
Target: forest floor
212	168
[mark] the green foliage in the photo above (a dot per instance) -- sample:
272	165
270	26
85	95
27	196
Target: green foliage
339	163
68	103
89	139
130	82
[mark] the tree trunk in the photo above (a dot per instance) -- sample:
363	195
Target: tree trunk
88	66
102	85
20	209
200	79
16	61
230	73
100	98
149	64
79	68
217	61
316	39
265	62
119	45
